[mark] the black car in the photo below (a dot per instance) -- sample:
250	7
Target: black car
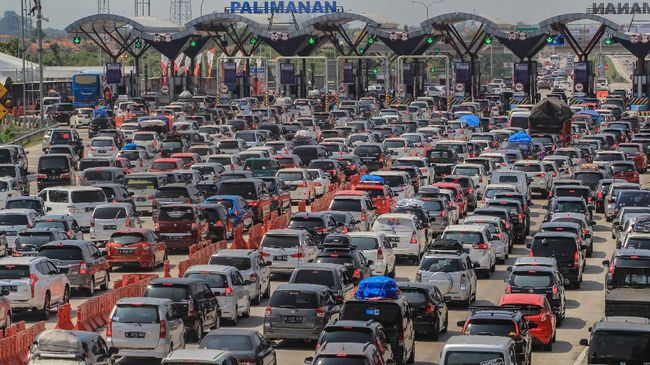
246	345
504	214
55	170
539	279
374	155
63	136
193	299
98	124
337	249
28	241
518	217
619	340
218	221
171	146
318	224
62	112
443	160
571	205
600	192
564	247
26	202
343	331
430	314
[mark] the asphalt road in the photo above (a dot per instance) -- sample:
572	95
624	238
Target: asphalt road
584	306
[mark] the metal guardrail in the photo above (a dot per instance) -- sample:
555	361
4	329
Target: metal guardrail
20	137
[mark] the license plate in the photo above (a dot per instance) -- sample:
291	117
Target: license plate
280	258
141	199
101	151
393	239
110	227
292	319
10	233
125	251
134	334
12	288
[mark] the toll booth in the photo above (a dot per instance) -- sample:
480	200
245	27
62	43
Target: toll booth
524	83
583	80
467	76
640	92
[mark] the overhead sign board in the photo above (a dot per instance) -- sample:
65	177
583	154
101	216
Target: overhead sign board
619	8
113	73
282	7
287	74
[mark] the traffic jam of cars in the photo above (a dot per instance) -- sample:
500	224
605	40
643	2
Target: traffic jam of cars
429	210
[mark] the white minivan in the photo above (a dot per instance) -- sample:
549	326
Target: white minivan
78	201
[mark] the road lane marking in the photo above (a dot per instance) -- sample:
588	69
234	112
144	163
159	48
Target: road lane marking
581	358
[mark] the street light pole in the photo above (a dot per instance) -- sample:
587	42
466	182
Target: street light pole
23	50
427	5
39	28
201	7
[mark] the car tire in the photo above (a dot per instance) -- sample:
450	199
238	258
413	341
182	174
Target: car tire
90	291
493	268
446	326
66	295
258	297
435	333
233	321
47	306
411	358
106	283
248	310
267	292
198	331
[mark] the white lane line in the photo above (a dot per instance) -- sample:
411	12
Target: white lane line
580	360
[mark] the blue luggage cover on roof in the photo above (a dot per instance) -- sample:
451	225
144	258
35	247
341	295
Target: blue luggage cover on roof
377	287
520	136
471	120
372	179
130	147
100	113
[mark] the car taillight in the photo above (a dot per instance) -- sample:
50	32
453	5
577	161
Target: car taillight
507	225
541	174
480	246
418	276
302	184
83	268
156	226
321	230
531	254
109	328
470	190
520	217
576	260
299	254
194	226
508	289
414	239
33	279
228	292
589	200
41	176
381	158
345	229
127	223
429	309
357	274
265	254
190	308
363	215
380	254
556	290
66	176
268	311
163	329
599	195
218	223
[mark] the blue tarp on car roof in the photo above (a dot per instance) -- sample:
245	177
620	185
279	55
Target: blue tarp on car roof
471	120
520	137
377	287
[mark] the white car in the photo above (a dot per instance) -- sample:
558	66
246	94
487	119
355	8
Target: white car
252	267
407	236
14	221
299	184
475	238
145	139
376	247
8	189
78	201
321	181
419	141
109	218
474	171
34	284
103	147
399	147
145	327
81	117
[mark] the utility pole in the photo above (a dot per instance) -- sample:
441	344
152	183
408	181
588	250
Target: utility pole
39	29
23	55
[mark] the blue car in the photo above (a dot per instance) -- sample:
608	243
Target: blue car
237	208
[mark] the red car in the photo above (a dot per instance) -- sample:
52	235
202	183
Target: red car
166	164
535	309
634	152
288	161
461	201
181	225
381	197
625	170
137	246
188	158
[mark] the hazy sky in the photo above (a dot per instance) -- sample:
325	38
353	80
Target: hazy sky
63	12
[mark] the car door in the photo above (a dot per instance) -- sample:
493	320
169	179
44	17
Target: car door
242	291
440	305
55	281
265	351
264	272
99	262
209	303
174	324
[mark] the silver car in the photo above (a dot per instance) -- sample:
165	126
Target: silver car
287	248
476	240
230	287
542	181
145	327
13	221
452	272
252	267
376	247
108	218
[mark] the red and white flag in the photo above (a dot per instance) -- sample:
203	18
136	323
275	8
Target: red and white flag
188	63
177	63
210	59
197	64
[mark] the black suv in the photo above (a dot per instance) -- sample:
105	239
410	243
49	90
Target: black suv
430	314
443	160
395	316
357	332
619	340
626	281
318	224
521	221
62	112
28	241
499	321
98	124
336	249
539	279
67	136
54	170
193	299
564	247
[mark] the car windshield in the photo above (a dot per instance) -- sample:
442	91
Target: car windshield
367	151
135	313
336	335
176	214
393	224
175	293
171	193
214	280
127	238
527	167
164	165
473	358
467	171
531	278
277	241
227	342
319	277
8	219
53	162
588	178
638	242
290	176
346	205
435	264
490	327
245	190
9	271
463	237
294	299
570	206
364	243
624	346
109	213
609	157
306	223
241	263
63	253
554	247
98	175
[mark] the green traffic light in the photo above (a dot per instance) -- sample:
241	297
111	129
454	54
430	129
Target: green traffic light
312	40
76	40
361	50
375	70
138	43
371	40
430	40
253	40
609	41
193	43
433	70
488	40
549	39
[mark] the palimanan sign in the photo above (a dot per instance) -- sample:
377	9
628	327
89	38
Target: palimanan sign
620	8
280	7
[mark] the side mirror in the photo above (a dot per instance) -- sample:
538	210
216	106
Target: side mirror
460	323
528	245
605	263
584	342
309	360
113	351
371	262
509	269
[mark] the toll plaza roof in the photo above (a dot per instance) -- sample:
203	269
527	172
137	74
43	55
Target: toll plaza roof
333	20
101	22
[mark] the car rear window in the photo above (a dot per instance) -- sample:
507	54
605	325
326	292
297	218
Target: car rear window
214	280
53	162
290	175
171	193
588	177
135	313
490	327
473	358
245	190
336	335
102	143
63	253
393	224
241	263
463	237
294	299
86	164
90	196
34	238
438	264
176	214
306	222
346	205
388	314
367	151
227	342
50	224
8	271
98	175
109	213
527	167
554	247
531	278
277	241
127	238
13	219
175	293
365	243
164	165
310	276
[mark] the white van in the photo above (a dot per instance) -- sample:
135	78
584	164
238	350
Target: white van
479	349
78	201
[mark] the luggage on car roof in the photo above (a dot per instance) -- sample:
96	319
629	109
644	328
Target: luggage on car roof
446	245
377	287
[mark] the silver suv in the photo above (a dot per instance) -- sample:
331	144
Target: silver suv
252	267
358	353
542	181
451	270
